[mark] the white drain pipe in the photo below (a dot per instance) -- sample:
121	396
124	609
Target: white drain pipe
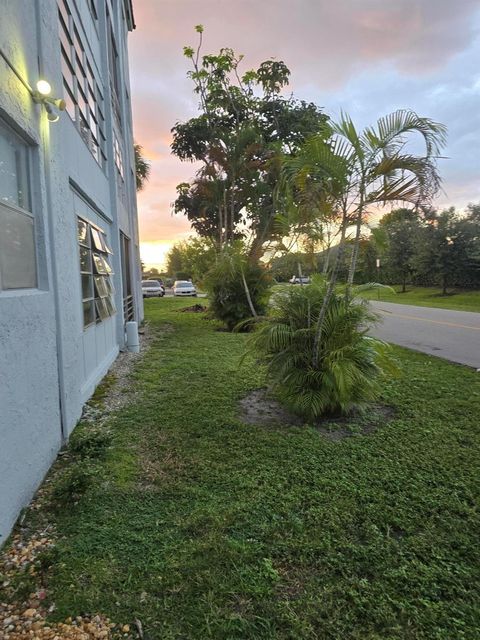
133	342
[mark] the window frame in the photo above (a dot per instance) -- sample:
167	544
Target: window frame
20	210
102	304
80	65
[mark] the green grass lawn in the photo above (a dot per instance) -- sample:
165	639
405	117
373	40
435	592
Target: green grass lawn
203	527
430	297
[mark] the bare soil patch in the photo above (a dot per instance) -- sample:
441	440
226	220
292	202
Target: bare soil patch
261	409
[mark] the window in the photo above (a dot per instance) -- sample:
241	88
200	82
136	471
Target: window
82	92
118	154
18	268
95	273
113	66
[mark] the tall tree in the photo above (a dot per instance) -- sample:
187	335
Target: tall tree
315	180
242	131
447	248
351	172
194	257
142	167
401	227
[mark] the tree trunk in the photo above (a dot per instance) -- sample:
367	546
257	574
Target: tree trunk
326	263
329	292
444	285
220	226
262	234
300	274
256	250
354	257
404	284
225	213
232	207
353	261
249	297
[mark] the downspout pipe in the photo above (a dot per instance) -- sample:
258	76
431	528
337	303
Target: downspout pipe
51	238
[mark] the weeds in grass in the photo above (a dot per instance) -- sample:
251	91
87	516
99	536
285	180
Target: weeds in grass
73	484
91	442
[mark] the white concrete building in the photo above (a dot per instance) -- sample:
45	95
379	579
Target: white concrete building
69	261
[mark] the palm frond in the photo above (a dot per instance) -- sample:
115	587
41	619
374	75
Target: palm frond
392	128
345	128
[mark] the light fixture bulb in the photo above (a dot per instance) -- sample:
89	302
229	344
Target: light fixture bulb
44	88
53	117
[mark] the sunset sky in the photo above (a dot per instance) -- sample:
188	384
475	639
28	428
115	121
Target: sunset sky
367	57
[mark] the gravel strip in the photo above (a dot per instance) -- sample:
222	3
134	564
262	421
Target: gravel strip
22	557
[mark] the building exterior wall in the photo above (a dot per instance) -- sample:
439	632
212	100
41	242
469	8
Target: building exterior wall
49	362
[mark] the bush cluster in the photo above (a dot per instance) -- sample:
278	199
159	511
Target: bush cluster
227	283
348	371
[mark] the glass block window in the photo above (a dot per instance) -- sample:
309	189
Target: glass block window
95	273
18	267
82	92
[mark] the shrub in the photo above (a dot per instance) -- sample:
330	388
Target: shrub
350	363
225	284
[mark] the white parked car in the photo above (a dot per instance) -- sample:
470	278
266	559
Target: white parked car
299	280
152	289
184	288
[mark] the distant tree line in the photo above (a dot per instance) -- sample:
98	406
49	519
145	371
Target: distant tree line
434	248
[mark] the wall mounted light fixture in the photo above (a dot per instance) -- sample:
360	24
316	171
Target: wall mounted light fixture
44	88
42	96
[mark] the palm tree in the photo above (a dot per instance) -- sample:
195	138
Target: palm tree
142	167
314	183
382	170
350	366
348	174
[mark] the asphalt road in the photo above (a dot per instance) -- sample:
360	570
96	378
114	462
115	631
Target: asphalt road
453	335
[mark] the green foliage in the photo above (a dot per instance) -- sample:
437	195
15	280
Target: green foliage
282	268
229	530
90	442
430	247
339	179
230	283
142	167
191	258
350	364
244	128
401	227
73	483
447	249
